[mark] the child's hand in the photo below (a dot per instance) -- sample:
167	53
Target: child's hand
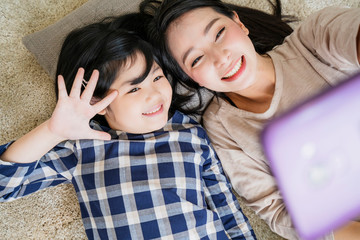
70	119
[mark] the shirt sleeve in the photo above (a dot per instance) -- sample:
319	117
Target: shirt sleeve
220	198
331	35
20	179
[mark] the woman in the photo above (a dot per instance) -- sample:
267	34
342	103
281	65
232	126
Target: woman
207	44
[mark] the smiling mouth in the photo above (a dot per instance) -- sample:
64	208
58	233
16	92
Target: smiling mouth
155	111
235	71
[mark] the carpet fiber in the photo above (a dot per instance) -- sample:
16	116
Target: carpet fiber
27	98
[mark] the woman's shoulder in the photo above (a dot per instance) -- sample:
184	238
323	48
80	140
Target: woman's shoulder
325	40
331	12
213	109
221	109
219	114
331	17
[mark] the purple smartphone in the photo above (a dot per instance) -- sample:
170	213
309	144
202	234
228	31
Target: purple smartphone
314	154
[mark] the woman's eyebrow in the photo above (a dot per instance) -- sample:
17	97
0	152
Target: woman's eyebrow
210	24
206	30
186	54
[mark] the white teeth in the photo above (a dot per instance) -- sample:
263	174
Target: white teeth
234	70
154	111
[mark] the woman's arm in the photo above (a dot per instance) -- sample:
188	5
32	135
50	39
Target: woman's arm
358	45
332	35
349	232
70	120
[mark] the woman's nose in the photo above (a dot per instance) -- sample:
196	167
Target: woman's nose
221	56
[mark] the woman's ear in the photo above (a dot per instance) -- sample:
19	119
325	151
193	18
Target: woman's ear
95	100
241	25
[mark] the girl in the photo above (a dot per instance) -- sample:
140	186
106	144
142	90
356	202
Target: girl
205	43
141	176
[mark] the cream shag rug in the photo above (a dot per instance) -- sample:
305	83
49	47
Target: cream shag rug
27	98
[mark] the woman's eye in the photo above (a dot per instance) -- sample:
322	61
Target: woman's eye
195	61
134	90
157	78
219	33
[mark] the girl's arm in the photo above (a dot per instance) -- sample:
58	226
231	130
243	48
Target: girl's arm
70	120
20	179
220	198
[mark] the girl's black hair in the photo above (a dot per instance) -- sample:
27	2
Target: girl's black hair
106	46
266	31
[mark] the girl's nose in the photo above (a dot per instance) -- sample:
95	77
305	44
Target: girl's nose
152	93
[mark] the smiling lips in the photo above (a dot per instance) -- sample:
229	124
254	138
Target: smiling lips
155	111
236	70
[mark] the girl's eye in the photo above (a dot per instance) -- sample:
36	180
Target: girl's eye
157	78
219	33
195	61
134	90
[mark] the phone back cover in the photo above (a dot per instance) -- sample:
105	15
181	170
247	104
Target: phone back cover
314	154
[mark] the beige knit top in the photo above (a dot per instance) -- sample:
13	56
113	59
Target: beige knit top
319	53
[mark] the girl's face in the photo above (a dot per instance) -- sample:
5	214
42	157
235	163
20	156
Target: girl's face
142	107
214	50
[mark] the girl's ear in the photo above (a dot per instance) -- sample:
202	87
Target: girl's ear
95	100
241	25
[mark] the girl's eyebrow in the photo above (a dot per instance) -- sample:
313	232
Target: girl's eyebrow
135	81
206	30
132	81
155	68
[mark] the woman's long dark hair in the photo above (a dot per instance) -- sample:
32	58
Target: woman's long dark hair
266	31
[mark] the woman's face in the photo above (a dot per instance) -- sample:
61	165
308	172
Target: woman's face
214	50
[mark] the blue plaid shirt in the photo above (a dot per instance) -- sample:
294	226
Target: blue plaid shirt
167	184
